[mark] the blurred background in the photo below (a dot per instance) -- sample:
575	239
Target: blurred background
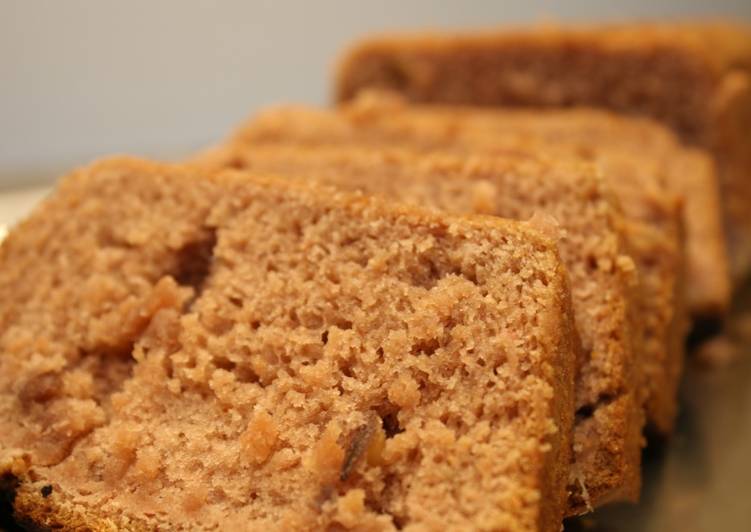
83	78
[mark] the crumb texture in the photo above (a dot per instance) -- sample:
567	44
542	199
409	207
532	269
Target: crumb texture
479	171
79	281
313	360
651	191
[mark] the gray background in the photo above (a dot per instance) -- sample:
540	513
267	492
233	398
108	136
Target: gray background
80	79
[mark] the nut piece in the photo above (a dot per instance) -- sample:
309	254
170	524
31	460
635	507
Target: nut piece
368	440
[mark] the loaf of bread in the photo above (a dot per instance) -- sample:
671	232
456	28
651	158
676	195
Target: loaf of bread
608	431
693	76
193	352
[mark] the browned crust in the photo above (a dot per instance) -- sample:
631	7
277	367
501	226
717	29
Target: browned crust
35	512
37	505
707	271
668	289
558	467
615	463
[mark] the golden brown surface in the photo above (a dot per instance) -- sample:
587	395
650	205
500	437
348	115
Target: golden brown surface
287	357
694	76
517	186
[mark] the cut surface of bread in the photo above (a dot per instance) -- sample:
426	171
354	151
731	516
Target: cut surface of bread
238	351
592	246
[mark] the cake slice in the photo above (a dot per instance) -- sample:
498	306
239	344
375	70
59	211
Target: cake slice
654	223
693	76
609	399
302	359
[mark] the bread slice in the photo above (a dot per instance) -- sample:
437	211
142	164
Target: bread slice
654	228
609	425
653	214
693	76
304	359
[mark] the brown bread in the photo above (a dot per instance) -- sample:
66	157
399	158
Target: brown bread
520	186
188	352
